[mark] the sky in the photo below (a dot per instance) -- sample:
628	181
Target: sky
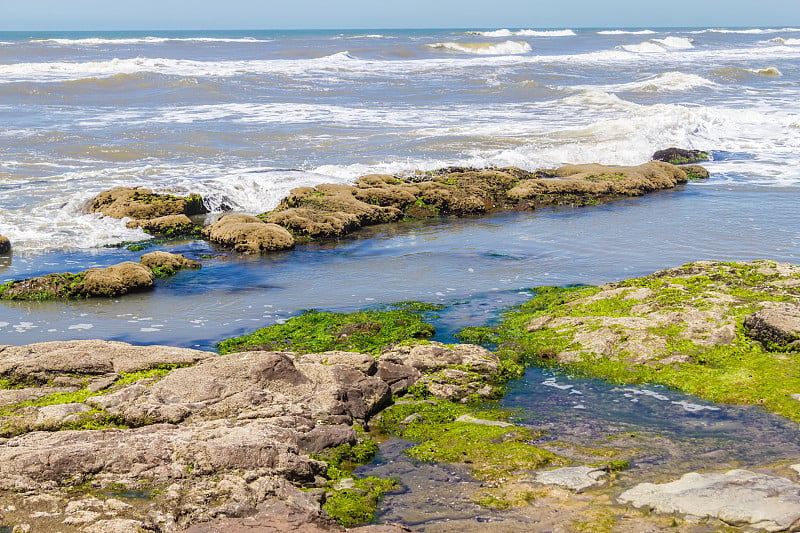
346	14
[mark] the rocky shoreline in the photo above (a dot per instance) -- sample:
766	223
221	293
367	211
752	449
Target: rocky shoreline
104	436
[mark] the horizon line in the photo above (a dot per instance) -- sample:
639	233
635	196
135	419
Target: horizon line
399	28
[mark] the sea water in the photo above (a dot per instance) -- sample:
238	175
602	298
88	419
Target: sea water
243	117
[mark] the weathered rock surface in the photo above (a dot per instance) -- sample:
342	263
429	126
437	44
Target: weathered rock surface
248	234
738	497
226	438
777	327
575	478
70	362
680	156
430	365
138	204
5	245
261	384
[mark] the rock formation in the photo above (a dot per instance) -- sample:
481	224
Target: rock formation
5	245
245	233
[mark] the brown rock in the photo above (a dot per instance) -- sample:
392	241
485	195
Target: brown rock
117	280
593	181
167	225
253	382
46	361
278	517
167	262
777	327
138	203
248	234
5	245
435	356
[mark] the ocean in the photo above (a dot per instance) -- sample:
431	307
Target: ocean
242	117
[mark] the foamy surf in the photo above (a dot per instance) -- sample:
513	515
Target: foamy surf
526	33
626	32
667	44
505	48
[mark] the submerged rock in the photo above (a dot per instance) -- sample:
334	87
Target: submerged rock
115	280
739	498
680	156
575	478
5	245
245	233
139	204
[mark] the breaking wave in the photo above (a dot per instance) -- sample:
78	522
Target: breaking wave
666	44
505	48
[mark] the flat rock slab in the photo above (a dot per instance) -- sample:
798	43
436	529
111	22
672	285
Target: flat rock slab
577	478
738	497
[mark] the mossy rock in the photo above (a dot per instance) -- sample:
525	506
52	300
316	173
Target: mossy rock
680	156
138	204
681	327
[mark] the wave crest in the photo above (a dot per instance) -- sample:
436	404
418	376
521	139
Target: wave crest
667	44
504	48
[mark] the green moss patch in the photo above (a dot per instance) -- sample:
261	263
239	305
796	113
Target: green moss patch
314	331
492	451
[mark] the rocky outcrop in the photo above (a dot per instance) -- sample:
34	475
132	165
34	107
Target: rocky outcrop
248	234
115	280
680	156
5	245
263	384
143	204
203	440
582	183
332	211
738	498
720	330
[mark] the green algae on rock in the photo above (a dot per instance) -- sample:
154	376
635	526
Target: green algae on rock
680	156
315	331
685	327
115	280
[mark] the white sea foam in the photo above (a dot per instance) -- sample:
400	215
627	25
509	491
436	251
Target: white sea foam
252	190
527	33
665	82
756	31
660	45
626	32
504	48
785	42
95	41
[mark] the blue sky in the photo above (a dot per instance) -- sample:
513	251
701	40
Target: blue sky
342	14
